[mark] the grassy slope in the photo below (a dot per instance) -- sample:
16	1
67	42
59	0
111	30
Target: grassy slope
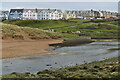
16	32
10	31
99	69
104	28
42	24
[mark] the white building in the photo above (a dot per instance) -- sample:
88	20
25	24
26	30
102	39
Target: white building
86	14
30	14
4	15
69	14
16	14
49	14
39	14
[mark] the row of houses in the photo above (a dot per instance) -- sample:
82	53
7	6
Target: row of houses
49	14
90	14
35	14
4	15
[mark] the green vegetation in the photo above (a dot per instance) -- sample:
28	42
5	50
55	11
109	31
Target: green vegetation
17	32
89	28
98	69
39	29
42	24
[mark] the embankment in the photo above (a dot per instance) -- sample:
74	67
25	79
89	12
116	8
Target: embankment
25	41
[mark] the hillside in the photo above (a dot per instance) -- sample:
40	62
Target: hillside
10	31
87	28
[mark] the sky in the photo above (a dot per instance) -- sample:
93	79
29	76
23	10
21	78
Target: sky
109	6
59	0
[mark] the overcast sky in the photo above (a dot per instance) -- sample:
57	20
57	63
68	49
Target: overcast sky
110	6
59	0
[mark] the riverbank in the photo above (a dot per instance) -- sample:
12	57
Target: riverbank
18	48
98	69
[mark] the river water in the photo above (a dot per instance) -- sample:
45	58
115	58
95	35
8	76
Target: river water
65	56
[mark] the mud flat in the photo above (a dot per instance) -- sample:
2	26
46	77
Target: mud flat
11	49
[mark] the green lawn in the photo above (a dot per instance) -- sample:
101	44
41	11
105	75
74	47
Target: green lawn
93	28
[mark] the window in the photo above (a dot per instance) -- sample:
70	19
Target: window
11	13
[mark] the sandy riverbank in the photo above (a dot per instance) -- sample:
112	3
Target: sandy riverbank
11	49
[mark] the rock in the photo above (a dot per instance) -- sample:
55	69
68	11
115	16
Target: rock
72	42
48	65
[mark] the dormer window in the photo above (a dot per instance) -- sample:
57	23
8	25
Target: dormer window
11	13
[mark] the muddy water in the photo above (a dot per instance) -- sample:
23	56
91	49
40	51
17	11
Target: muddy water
65	56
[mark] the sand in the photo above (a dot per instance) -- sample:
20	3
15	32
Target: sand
11	49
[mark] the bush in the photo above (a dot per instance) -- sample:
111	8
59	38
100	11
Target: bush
18	36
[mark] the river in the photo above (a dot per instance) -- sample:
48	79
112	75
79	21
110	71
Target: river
65	56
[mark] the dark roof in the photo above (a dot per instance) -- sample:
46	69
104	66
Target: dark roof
18	10
50	10
4	12
34	10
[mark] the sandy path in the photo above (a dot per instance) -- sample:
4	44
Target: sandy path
12	49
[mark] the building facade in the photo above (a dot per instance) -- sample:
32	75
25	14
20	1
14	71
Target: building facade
16	14
49	14
29	14
36	14
91	14
4	15
55	14
69	14
108	14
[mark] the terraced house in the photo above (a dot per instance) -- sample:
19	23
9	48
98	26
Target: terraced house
30	14
16	14
69	14
49	14
39	14
4	15
91	14
108	14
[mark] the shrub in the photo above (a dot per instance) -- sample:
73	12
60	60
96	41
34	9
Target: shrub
18	36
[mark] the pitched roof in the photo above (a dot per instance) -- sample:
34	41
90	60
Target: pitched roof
4	12
49	10
18	10
34	10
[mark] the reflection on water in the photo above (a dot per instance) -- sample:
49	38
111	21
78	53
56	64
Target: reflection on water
65	56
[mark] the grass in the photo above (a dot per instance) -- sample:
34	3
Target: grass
93	28
98	69
38	29
42	24
17	32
